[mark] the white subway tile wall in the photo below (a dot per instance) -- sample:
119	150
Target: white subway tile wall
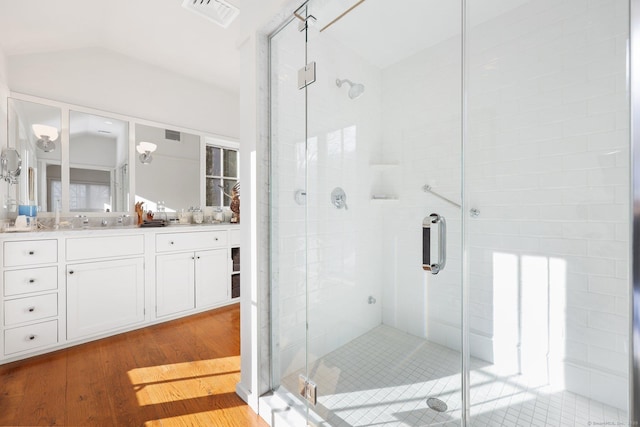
548	133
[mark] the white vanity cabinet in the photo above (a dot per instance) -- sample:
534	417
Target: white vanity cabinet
194	277
104	294
30	296
66	287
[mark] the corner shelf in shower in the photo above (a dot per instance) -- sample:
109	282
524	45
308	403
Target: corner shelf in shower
383	185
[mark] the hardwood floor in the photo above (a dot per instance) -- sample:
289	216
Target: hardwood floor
181	373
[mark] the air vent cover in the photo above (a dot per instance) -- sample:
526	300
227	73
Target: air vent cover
172	135
218	11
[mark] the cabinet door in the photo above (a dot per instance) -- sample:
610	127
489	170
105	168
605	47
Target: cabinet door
103	296
211	277
174	283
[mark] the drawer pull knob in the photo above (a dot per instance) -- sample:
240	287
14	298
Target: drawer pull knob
216	239
198	257
171	242
31	337
31	309
31	252
70	271
32	280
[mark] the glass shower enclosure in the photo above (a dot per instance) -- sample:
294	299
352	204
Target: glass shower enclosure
450	212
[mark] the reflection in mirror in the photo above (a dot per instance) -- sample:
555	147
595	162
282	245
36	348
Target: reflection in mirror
98	164
10	165
34	132
172	175
222	174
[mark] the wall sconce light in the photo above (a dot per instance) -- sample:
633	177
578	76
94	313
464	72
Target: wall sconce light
145	149
46	135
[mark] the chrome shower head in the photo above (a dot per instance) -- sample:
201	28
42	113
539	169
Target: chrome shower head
355	90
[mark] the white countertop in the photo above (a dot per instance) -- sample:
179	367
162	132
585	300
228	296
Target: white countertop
113	230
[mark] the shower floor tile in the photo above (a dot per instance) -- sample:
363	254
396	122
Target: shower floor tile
384	378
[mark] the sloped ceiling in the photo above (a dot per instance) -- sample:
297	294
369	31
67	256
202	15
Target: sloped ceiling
159	32
162	33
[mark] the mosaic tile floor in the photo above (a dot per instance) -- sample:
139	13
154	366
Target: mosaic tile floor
383	378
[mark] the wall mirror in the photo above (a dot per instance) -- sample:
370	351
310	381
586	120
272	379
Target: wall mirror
167	168
88	161
34	132
98	164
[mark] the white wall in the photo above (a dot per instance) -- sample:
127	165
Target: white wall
106	80
548	167
422	104
87	150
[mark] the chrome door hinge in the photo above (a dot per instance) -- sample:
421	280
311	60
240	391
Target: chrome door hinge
307	75
308	389
304	21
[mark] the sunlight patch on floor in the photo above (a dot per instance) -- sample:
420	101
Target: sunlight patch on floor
189	380
228	417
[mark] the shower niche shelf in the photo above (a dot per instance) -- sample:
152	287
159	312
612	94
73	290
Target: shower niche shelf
384	182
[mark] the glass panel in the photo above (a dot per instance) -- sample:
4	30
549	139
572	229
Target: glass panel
213	161
288	251
214	193
98	156
384	333
231	163
38	153
547	168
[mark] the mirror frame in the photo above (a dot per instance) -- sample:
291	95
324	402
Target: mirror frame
66	108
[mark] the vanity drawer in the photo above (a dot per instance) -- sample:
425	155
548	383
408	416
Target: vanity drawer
29	252
18	282
32	308
30	337
190	241
80	248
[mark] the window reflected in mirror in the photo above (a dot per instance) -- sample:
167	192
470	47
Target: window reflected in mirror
222	174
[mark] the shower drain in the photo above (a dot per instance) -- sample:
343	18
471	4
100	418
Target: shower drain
436	404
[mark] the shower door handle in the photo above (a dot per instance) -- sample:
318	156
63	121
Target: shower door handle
436	267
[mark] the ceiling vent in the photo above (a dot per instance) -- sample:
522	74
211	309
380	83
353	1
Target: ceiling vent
218	11
172	135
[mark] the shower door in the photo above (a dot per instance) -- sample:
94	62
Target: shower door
366	333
